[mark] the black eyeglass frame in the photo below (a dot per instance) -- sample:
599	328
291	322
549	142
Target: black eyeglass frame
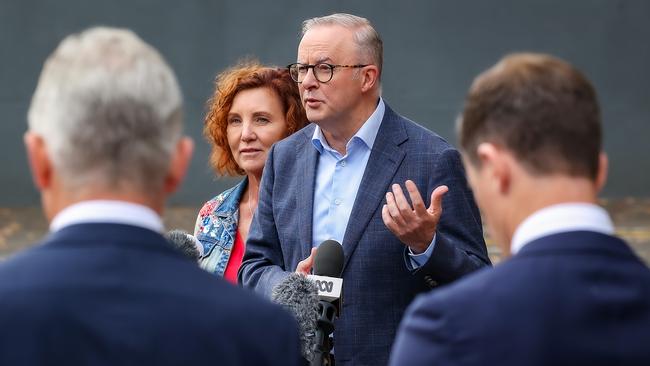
331	67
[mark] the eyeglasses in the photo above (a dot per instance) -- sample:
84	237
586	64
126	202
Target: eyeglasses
322	71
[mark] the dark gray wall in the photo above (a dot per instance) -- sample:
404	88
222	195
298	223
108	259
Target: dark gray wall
433	49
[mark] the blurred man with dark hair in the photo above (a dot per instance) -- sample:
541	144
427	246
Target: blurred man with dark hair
573	293
105	147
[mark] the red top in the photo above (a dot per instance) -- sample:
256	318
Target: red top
234	262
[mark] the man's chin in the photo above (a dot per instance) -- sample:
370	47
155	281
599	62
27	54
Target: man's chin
314	116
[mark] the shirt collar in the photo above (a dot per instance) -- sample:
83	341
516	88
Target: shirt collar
105	211
367	133
561	218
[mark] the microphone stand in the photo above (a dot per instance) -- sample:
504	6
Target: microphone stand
322	352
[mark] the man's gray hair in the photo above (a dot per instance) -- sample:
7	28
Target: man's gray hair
365	35
109	109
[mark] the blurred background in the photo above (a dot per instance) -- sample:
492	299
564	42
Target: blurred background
432	51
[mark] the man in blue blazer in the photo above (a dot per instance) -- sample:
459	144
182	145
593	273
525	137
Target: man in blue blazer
572	293
339	178
105	287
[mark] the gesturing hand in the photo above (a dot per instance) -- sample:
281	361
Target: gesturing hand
414	226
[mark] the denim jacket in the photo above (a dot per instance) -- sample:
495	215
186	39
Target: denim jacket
216	228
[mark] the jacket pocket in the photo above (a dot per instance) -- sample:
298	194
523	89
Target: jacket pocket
216	252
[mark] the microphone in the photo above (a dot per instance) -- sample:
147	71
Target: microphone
328	266
304	296
299	296
328	260
185	243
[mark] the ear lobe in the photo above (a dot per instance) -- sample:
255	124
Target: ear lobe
180	161
39	160
601	175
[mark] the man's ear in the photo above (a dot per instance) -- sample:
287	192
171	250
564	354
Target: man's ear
369	77
601	175
39	160
494	160
181	157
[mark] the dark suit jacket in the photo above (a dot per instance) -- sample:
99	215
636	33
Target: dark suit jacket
575	298
377	284
111	294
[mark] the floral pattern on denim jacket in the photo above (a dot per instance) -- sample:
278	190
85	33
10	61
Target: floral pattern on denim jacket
216	228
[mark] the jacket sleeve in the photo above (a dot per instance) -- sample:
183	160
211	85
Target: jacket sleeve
459	246
263	266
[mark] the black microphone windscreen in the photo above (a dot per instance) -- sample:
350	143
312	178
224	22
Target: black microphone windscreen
185	243
299	296
328	260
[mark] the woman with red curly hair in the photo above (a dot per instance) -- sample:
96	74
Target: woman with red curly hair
252	108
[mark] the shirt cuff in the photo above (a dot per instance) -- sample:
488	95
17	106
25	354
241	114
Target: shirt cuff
418	260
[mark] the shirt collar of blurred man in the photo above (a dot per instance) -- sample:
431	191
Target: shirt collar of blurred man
105	211
560	218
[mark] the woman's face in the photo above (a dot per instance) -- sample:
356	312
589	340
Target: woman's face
255	122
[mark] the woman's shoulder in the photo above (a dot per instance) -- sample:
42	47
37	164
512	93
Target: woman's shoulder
211	205
208	214
215	202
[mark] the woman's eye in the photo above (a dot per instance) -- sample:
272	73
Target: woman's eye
263	120
234	121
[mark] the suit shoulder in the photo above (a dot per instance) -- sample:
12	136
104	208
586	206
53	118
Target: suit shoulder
18	264
299	137
423	136
490	284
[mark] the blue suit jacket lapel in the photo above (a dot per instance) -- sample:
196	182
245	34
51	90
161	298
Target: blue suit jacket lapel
307	157
385	157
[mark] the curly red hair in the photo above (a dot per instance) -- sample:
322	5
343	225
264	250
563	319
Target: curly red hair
243	76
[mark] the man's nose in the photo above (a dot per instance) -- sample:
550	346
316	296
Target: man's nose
310	81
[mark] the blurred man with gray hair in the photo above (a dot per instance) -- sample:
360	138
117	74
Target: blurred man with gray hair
105	147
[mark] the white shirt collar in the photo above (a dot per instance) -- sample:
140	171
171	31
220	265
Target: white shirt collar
105	211
561	218
367	133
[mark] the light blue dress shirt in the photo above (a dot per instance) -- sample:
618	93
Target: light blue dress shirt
338	178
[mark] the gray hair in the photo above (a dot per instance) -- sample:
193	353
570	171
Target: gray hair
366	37
109	108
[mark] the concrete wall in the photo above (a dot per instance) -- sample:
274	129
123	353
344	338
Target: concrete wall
433	49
